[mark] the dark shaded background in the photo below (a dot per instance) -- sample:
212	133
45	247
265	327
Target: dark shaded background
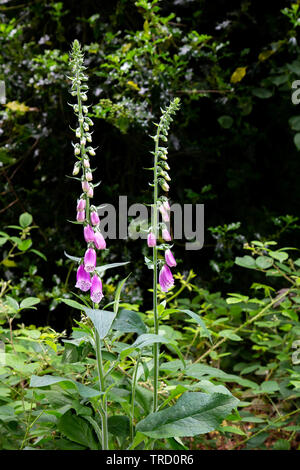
251	167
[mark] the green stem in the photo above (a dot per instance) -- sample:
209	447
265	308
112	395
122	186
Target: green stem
133	386
155	312
103	410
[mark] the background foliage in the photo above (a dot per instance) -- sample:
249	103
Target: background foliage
234	147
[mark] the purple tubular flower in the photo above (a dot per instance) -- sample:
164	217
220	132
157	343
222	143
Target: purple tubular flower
90	259
170	260
151	240
96	289
166	236
85	186
165	215
166	280
95	218
81	204
83	279
99	241
80	216
88	233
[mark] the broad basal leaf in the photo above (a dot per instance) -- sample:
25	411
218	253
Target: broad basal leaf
194	413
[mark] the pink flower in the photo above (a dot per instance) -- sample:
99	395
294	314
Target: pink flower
170	260
83	279
85	186
99	241
165	215
166	280
96	289
151	240
90	191
166	236
90	259
80	217
81	204
95	218
166	205
88	175
88	233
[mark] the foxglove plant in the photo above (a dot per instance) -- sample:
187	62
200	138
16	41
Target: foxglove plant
87	276
161	204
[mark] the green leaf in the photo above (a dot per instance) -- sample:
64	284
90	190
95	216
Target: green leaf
129	322
12	303
118	293
102	320
225	121
78	430
262	93
297	140
48	380
279	255
102	269
72	303
294	122
144	341
269	386
194	413
246	262
73	258
264	262
24	245
118	425
25	219
232	430
197	319
230	335
29	302
37	252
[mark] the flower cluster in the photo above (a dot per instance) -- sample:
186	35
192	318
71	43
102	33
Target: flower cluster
87	277
161	203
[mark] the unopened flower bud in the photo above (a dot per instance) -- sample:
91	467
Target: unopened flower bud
78	132
86	126
88	233
81	204
88	137
76	168
80	216
83	141
85	186
166	205
77	150
84	97
95	218
151	240
90	192
164	213
86	163
91	151
88	175
85	109
164	185
166	235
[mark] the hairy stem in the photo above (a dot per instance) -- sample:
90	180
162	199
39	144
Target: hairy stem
155	312
103	409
